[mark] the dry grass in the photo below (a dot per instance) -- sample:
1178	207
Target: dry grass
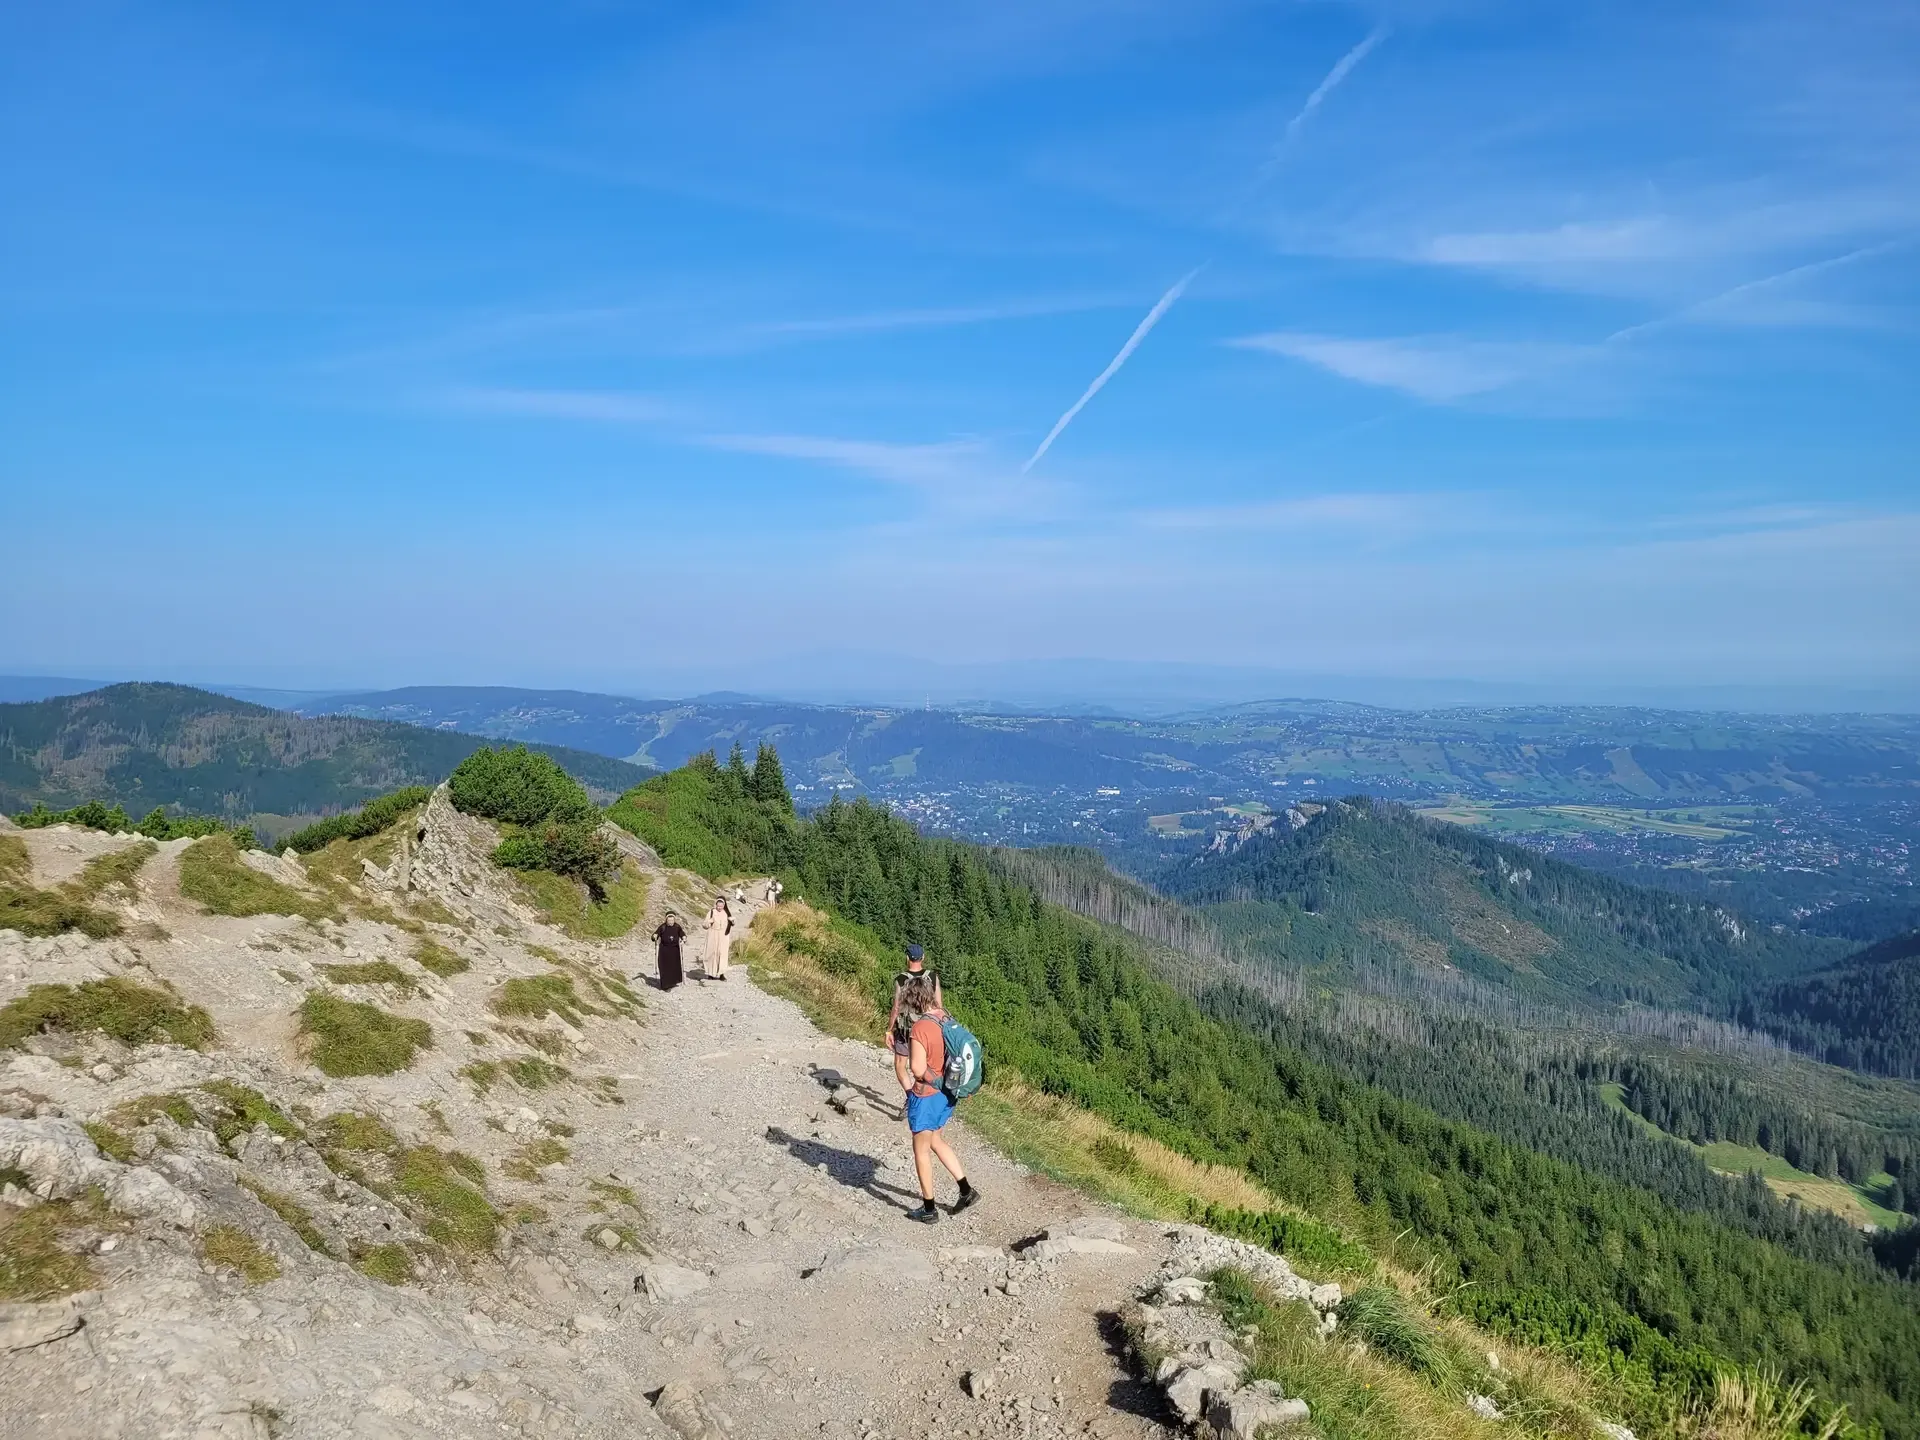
836	1003
232	1247
1079	1148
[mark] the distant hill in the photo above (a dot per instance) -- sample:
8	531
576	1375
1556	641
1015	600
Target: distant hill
822	747
1547	754
1863	1013
145	745
1365	884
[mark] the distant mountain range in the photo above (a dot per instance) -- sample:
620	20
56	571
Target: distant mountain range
145	745
1559	754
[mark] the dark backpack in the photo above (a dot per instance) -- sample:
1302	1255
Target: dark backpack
966	1059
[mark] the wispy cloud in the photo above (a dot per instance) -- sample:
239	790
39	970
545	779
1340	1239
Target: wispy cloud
939	466
1342	68
1140	332
618	407
1439	368
934	317
1305	513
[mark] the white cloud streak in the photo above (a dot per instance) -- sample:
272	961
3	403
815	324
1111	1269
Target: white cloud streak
1440	368
1342	68
1140	332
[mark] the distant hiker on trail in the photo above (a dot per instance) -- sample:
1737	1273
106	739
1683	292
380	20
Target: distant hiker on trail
740	896
774	887
719	939
896	1036
928	1107
668	936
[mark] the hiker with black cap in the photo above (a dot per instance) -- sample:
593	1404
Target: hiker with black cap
896	1033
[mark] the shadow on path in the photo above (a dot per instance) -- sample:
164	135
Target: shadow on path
849	1167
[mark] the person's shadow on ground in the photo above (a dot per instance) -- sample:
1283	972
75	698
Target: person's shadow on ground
849	1167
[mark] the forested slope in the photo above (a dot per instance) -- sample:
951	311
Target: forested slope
1366	883
1863	1013
139	746
1629	1276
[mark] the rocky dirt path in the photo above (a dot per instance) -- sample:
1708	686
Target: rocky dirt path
842	1315
723	1255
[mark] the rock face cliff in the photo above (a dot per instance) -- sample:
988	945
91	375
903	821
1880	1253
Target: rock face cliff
580	1207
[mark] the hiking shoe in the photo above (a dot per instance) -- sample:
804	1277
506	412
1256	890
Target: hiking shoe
967	1197
927	1214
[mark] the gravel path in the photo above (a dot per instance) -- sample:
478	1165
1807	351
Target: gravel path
722	1254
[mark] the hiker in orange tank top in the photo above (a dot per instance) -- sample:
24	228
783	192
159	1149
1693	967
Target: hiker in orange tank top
928	1106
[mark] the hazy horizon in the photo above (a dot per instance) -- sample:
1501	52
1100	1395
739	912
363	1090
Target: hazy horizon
1536	346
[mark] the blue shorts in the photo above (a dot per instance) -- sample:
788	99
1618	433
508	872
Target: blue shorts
928	1112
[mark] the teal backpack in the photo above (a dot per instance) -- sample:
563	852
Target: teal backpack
966	1060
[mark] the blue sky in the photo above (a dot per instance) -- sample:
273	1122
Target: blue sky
643	345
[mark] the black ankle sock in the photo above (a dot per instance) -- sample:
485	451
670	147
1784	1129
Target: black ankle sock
966	1186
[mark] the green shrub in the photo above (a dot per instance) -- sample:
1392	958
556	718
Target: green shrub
132	1014
1303	1240
519	786
574	849
354	1039
370	819
158	824
212	872
713	819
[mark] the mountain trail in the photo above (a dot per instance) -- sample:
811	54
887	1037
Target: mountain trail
680	1234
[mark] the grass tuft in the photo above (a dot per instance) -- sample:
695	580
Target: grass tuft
212	872
232	1247
370	972
33	911
437	958
1381	1316
443	1189
292	1212
530	1072
389	1264
34	1263
569	906
130	1013
350	1038
527	1160
109	1141
241	1107
537	996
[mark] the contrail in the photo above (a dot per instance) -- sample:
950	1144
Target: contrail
1161	306
1341	69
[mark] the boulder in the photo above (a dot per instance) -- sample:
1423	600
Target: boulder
663	1280
1187	1290
1484	1407
682	1411
1242	1414
1194	1386
24	1326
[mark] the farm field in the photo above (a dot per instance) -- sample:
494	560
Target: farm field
1720	822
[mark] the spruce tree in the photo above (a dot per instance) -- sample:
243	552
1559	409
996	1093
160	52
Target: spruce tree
769	782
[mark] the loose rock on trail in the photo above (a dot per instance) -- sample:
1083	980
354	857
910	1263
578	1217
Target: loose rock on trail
700	1224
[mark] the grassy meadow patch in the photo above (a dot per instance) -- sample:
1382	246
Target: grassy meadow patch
212	873
133	1014
350	1038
